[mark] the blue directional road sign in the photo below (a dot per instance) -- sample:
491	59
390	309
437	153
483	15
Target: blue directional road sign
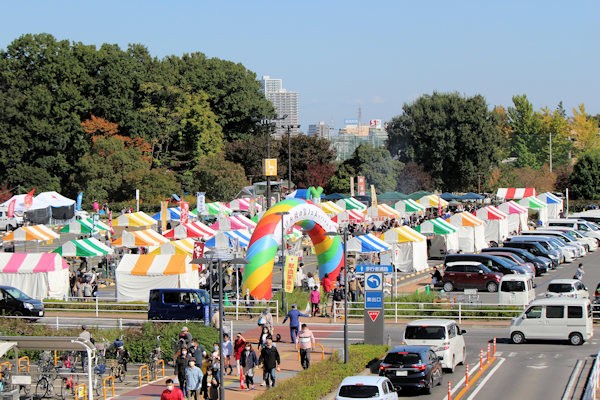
373	282
374	268
373	299
373	324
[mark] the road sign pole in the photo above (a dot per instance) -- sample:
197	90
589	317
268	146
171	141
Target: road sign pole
374	314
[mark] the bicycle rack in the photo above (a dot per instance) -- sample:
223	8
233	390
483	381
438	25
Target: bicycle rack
143	376
8	366
80	391
160	363
111	386
316	344
25	366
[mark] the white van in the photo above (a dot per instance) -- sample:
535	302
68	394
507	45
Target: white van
516	290
589	229
554	319
590	243
443	335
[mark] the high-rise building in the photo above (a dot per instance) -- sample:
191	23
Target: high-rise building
286	104
321	130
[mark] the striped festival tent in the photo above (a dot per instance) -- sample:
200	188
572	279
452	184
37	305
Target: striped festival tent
38	233
517	216
554	204
496	223
408	206
330	208
351	204
145	238
382	211
350	216
39	275
84	227
409	248
535	205
137	274
243	204
190	230
89	247
444	237
368	243
182	246
432	201
229	239
471	232
505	194
136	219
215	209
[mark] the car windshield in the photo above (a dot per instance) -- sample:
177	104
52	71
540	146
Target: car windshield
560	287
573	234
512	286
425	332
402	358
358	391
17	294
505	262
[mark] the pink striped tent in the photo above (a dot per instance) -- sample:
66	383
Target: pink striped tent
517	216
243	204
192	230
39	275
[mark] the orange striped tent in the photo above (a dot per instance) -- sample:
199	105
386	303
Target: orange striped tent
136	274
39	233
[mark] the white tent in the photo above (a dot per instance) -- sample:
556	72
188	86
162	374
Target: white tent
554	203
471	232
496	223
409	249
39	275
38	213
136	274
62	208
443	237
517	216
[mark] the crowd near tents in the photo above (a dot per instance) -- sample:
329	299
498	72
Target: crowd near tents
149	257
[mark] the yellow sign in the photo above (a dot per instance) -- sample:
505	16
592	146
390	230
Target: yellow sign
289	272
164	209
270	167
373	197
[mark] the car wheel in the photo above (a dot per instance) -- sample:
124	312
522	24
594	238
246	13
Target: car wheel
517	337
576	339
448	286
492	287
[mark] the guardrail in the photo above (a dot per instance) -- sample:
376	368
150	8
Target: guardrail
592	383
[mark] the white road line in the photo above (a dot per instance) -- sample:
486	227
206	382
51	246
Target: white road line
460	383
512	354
483	382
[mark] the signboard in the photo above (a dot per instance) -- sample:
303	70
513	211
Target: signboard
362	185
184	207
351	121
373	299
373	197
375	123
373	307
351	186
163	215
290	269
373	315
270	167
374	268
200	200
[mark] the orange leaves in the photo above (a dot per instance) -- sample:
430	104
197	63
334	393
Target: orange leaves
100	128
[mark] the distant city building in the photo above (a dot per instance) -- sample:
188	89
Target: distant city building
286	103
321	130
352	135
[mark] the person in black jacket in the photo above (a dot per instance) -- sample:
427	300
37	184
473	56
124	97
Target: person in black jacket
270	360
248	361
181	363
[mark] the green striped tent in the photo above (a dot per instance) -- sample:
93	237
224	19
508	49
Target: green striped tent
215	208
351	204
90	247
84	226
436	226
408	206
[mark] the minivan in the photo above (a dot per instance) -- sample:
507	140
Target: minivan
534	248
178	304
581	247
554	319
15	302
551	243
516	290
443	335
469	275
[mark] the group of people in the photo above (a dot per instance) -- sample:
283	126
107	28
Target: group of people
83	282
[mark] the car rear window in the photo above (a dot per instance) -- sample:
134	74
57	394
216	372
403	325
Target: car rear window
425	332
560	287
359	391
512	286
402	358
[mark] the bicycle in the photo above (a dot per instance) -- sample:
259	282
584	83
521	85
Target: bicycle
153	359
6	382
44	387
68	382
100	366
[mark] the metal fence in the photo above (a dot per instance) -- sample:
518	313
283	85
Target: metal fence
592	383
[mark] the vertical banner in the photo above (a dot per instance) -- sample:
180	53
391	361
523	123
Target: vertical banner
351	186
200	200
28	201
373	197
79	200
11	209
137	200
439	207
184	207
164	209
199	253
290	269
110	225
362	185
252	206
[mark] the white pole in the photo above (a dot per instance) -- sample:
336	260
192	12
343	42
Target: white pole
567	194
137	200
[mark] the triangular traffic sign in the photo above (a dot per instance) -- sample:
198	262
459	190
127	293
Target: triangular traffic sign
373	315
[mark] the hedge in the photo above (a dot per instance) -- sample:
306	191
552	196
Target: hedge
325	376
139	341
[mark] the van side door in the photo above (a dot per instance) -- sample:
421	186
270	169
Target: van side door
556	323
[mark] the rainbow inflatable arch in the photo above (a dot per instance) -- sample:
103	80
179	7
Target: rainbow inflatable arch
266	238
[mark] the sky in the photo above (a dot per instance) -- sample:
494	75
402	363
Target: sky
345	55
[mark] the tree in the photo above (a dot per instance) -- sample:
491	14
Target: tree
376	165
340	181
413	178
527	140
585	179
584	129
222	180
312	160
556	126
452	137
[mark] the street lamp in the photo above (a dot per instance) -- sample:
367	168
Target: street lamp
283	305
210	260
345	241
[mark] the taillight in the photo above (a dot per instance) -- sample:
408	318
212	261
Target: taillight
419	367
382	367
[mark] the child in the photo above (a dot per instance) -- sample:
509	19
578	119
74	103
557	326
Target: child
315	299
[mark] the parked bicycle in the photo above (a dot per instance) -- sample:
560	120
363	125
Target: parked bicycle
154	358
122	356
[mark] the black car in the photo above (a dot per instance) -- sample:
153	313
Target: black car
495	263
15	302
541	264
415	367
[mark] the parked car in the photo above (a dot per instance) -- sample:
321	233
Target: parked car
590	242
529	267
443	335
496	264
534	248
417	367
470	275
542	264
173	303
366	387
14	302
567	288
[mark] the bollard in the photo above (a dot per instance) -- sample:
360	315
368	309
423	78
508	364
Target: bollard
494	346
488	353
120	324
467	375
449	391
480	359
427	289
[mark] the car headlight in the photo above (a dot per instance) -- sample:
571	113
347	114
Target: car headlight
28	306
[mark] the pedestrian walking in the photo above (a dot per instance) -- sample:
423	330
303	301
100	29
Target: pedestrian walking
238	349
306	341
315	299
294	316
181	363
266	319
248	303
270	360
227	352
249	361
193	378
171	392
579	273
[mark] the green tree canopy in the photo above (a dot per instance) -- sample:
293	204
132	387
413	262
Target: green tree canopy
312	160
585	179
376	165
222	180
454	138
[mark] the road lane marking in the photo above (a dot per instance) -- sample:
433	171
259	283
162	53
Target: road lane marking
484	381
